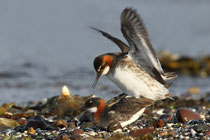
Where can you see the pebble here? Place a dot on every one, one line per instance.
(36, 122)
(184, 115)
(61, 123)
(71, 125)
(200, 128)
(208, 133)
(77, 132)
(164, 133)
(193, 132)
(9, 131)
(22, 121)
(31, 130)
(75, 137)
(172, 133)
(159, 123)
(62, 136)
(141, 132)
(92, 133)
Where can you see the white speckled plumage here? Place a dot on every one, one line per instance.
(136, 82)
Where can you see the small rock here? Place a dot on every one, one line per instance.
(65, 92)
(61, 123)
(184, 115)
(208, 133)
(171, 133)
(75, 137)
(160, 111)
(159, 123)
(200, 128)
(9, 131)
(193, 132)
(22, 121)
(77, 132)
(31, 130)
(37, 122)
(195, 122)
(166, 117)
(141, 132)
(62, 136)
(164, 133)
(8, 123)
(72, 125)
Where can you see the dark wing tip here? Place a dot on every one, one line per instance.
(131, 24)
(124, 48)
(127, 12)
(100, 31)
(130, 15)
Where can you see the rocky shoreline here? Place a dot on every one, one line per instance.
(56, 118)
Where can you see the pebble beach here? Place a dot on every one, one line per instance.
(56, 118)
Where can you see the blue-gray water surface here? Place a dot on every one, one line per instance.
(45, 44)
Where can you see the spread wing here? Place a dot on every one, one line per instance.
(124, 47)
(141, 50)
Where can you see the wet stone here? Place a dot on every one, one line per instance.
(22, 121)
(208, 133)
(164, 133)
(200, 128)
(195, 122)
(62, 136)
(75, 137)
(71, 125)
(166, 118)
(37, 122)
(77, 132)
(159, 123)
(31, 130)
(141, 132)
(61, 124)
(184, 115)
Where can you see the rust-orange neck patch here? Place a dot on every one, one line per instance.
(101, 108)
(108, 59)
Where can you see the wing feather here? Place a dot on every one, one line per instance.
(124, 47)
(141, 49)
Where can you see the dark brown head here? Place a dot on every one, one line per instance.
(92, 104)
(102, 65)
(96, 106)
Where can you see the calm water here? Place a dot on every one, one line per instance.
(46, 44)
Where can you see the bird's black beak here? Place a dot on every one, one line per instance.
(96, 80)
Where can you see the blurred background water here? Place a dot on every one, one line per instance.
(45, 44)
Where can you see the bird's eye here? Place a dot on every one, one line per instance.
(91, 102)
(99, 69)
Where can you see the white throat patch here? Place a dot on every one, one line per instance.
(92, 109)
(106, 70)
